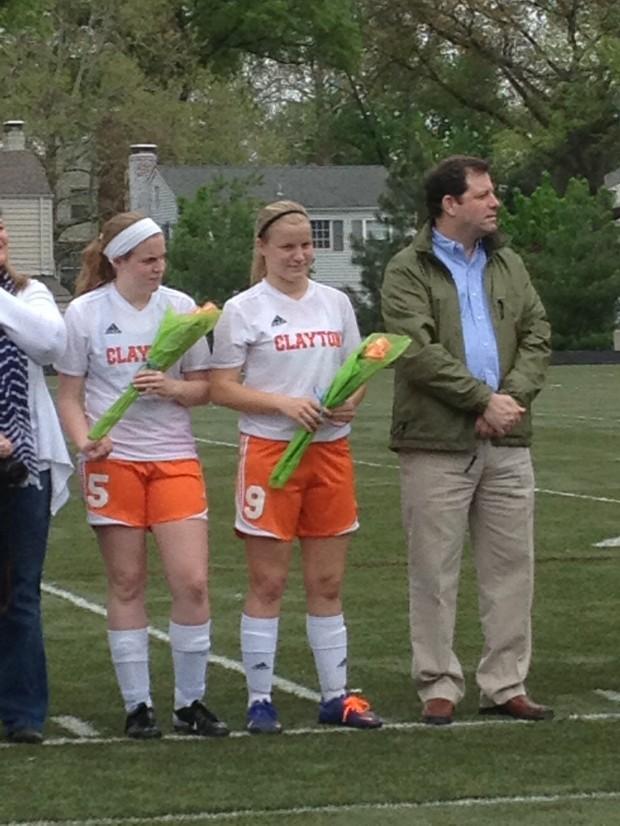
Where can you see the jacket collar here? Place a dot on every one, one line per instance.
(423, 241)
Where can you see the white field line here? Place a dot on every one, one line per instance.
(272, 814)
(614, 696)
(612, 542)
(74, 725)
(575, 417)
(432, 731)
(546, 491)
(232, 665)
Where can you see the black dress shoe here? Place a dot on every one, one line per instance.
(25, 735)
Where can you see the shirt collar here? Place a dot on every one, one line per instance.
(452, 247)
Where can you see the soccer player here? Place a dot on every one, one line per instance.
(276, 348)
(146, 475)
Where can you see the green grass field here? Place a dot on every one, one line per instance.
(474, 772)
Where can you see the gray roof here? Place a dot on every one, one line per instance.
(22, 173)
(316, 187)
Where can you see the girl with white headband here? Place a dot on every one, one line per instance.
(146, 475)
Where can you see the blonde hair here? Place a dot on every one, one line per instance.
(96, 270)
(267, 216)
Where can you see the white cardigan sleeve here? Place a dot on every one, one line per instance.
(33, 322)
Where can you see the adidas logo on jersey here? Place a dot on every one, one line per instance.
(112, 329)
(277, 321)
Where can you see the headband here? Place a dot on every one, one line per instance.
(277, 217)
(129, 238)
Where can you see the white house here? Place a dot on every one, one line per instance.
(342, 201)
(27, 205)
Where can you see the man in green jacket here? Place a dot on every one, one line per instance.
(462, 429)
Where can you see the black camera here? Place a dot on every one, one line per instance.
(12, 472)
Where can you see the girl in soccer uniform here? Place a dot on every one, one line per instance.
(145, 476)
(277, 347)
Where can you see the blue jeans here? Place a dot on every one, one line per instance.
(24, 525)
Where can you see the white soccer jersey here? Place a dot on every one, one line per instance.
(108, 340)
(288, 346)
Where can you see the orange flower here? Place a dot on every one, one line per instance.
(378, 349)
(206, 308)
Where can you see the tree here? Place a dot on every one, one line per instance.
(211, 250)
(286, 31)
(551, 70)
(570, 245)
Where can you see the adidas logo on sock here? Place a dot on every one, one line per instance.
(277, 321)
(112, 329)
(343, 663)
(260, 667)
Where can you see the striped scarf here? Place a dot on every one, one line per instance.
(14, 411)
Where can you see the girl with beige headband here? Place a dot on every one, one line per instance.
(146, 475)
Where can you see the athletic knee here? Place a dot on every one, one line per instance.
(325, 587)
(268, 590)
(128, 587)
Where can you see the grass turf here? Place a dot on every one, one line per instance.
(575, 660)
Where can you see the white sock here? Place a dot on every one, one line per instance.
(130, 656)
(190, 646)
(259, 639)
(328, 640)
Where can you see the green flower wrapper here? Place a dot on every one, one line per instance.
(376, 351)
(176, 334)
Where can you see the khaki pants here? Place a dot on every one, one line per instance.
(492, 493)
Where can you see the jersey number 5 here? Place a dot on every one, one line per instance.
(96, 494)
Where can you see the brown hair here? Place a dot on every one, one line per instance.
(19, 280)
(267, 216)
(96, 270)
(449, 178)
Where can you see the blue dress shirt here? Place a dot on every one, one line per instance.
(481, 354)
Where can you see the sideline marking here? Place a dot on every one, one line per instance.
(612, 542)
(335, 730)
(455, 803)
(75, 726)
(232, 665)
(546, 491)
(614, 696)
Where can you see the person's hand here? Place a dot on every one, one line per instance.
(502, 413)
(93, 451)
(306, 412)
(154, 383)
(6, 447)
(484, 430)
(343, 414)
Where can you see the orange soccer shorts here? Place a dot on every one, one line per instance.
(318, 500)
(141, 494)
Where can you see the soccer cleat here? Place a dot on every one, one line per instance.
(141, 724)
(349, 710)
(262, 718)
(198, 721)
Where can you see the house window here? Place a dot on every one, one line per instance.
(377, 230)
(80, 205)
(370, 228)
(328, 235)
(321, 235)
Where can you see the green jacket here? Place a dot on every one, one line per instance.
(436, 398)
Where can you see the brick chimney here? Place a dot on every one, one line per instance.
(14, 136)
(142, 162)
